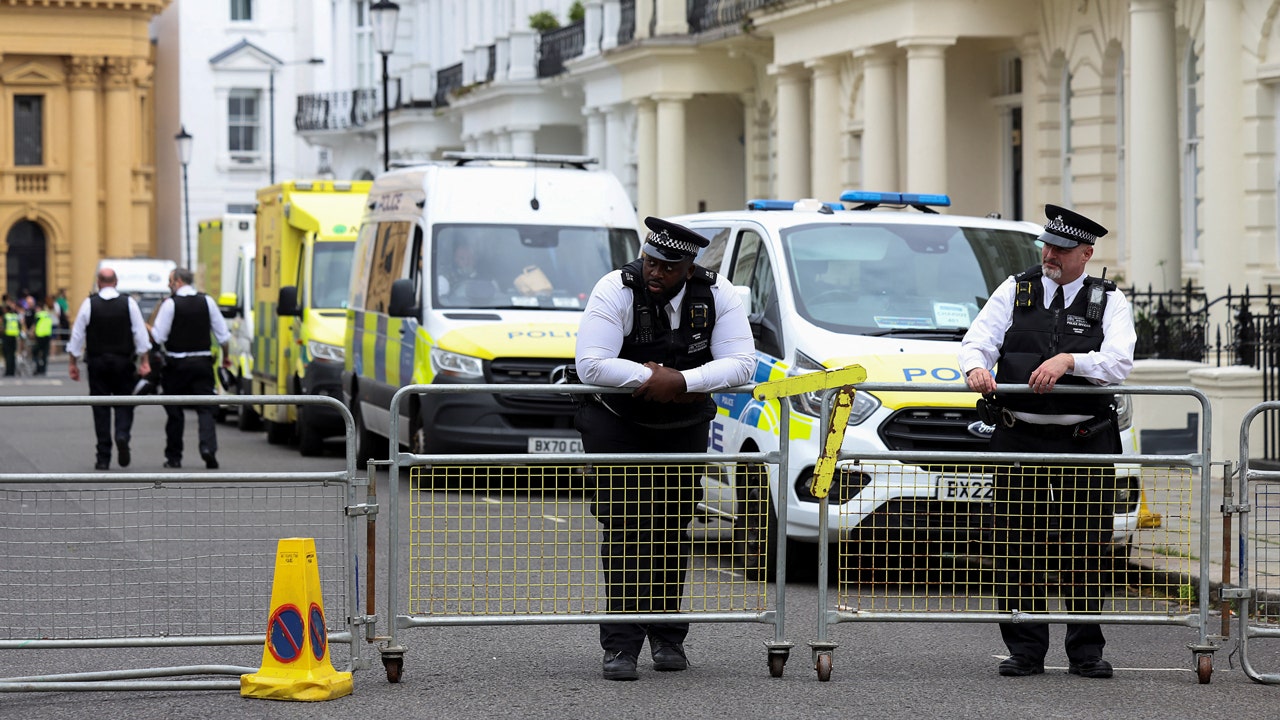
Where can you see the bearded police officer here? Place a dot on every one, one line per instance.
(674, 331)
(1053, 325)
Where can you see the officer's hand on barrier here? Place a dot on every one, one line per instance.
(664, 385)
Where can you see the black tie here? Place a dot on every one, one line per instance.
(1058, 300)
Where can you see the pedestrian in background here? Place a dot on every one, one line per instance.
(12, 331)
(674, 331)
(1048, 326)
(110, 334)
(187, 323)
(43, 333)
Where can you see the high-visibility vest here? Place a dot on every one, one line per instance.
(11, 324)
(44, 323)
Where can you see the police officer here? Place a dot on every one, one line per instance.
(185, 321)
(12, 330)
(1053, 325)
(109, 332)
(673, 331)
(43, 333)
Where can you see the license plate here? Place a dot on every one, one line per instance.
(555, 445)
(965, 488)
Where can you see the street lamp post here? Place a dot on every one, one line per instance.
(384, 15)
(183, 138)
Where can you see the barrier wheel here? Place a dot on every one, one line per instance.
(1204, 668)
(394, 666)
(823, 666)
(777, 661)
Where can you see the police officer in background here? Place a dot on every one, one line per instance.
(674, 331)
(1053, 325)
(185, 321)
(12, 331)
(109, 333)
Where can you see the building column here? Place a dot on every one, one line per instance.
(825, 142)
(615, 146)
(672, 185)
(672, 17)
(118, 156)
(1156, 247)
(756, 170)
(82, 79)
(926, 114)
(879, 122)
(646, 157)
(793, 133)
(596, 139)
(1223, 153)
(523, 141)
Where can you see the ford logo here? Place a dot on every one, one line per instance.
(977, 428)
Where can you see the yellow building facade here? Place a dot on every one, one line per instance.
(77, 146)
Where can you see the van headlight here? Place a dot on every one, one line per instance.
(454, 365)
(1124, 410)
(325, 351)
(864, 403)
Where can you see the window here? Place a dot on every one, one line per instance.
(1191, 160)
(244, 122)
(241, 9)
(364, 45)
(1064, 122)
(244, 208)
(28, 130)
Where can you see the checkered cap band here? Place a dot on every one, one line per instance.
(662, 239)
(1058, 227)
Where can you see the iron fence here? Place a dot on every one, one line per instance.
(707, 15)
(627, 22)
(447, 80)
(343, 109)
(559, 45)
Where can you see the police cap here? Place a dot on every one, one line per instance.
(671, 242)
(1067, 228)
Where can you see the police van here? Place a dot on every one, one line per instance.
(894, 292)
(477, 271)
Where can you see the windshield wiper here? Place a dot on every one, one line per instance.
(957, 333)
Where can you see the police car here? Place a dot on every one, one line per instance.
(832, 284)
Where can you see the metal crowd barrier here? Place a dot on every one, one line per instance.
(167, 559)
(936, 542)
(1258, 590)
(495, 540)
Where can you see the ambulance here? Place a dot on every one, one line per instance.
(477, 271)
(306, 232)
(891, 285)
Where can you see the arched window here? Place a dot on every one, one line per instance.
(25, 259)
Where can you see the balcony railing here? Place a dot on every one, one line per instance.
(707, 15)
(492, 72)
(557, 46)
(344, 109)
(447, 80)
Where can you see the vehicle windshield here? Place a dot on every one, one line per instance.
(524, 266)
(894, 279)
(331, 274)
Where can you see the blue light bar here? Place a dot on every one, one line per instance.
(760, 204)
(929, 200)
(864, 196)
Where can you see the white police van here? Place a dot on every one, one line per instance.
(893, 292)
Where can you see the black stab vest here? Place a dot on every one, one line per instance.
(191, 326)
(110, 329)
(651, 339)
(1038, 334)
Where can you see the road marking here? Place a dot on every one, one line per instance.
(730, 573)
(492, 501)
(555, 519)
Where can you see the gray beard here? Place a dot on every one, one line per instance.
(1051, 272)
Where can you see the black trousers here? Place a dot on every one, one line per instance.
(111, 375)
(40, 353)
(1029, 503)
(10, 355)
(644, 512)
(189, 376)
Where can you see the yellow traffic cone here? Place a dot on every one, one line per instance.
(1146, 518)
(295, 658)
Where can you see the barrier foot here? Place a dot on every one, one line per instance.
(779, 652)
(393, 662)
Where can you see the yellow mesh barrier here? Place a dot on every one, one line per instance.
(539, 540)
(1034, 539)
(1264, 553)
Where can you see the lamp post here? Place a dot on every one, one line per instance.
(183, 138)
(384, 15)
(271, 105)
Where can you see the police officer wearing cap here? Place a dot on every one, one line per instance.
(1049, 326)
(674, 331)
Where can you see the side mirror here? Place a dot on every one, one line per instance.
(287, 304)
(404, 301)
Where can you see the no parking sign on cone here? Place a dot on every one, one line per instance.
(295, 657)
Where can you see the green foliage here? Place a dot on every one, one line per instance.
(577, 12)
(543, 20)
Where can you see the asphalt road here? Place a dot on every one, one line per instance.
(916, 670)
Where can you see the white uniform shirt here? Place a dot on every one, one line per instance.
(607, 320)
(1108, 365)
(164, 322)
(137, 326)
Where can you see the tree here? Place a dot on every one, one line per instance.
(543, 20)
(577, 12)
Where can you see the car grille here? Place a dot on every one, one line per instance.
(938, 429)
(530, 371)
